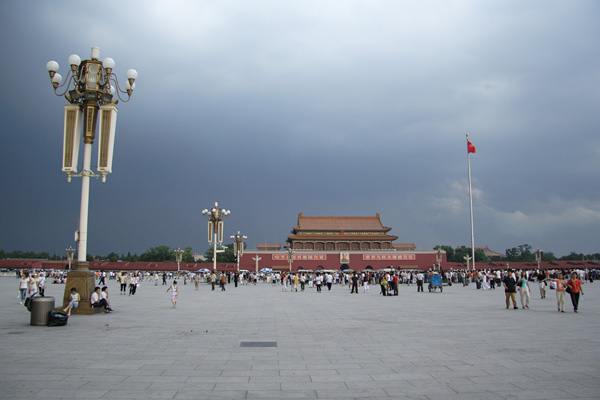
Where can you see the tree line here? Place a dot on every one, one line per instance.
(523, 253)
(154, 254)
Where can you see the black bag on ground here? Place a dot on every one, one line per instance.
(57, 318)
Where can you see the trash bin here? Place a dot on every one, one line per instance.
(40, 307)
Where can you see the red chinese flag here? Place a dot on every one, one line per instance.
(470, 147)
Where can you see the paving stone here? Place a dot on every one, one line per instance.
(459, 344)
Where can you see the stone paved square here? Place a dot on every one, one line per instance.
(459, 344)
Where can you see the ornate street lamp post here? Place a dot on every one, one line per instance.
(90, 88)
(178, 257)
(538, 257)
(70, 252)
(290, 256)
(467, 259)
(215, 229)
(238, 247)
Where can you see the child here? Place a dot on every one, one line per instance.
(74, 303)
(173, 289)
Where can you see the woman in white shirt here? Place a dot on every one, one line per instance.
(23, 286)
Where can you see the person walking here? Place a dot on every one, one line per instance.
(524, 290)
(420, 280)
(561, 284)
(318, 282)
(574, 285)
(32, 287)
(510, 289)
(133, 282)
(329, 281)
(123, 282)
(223, 281)
(174, 293)
(542, 284)
(23, 286)
(213, 280)
(41, 283)
(284, 279)
(354, 284)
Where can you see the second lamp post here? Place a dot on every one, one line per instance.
(215, 229)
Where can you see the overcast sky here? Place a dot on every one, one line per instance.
(322, 107)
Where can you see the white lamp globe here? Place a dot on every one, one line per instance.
(108, 63)
(52, 66)
(132, 74)
(57, 78)
(74, 59)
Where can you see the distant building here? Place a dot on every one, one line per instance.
(340, 233)
(199, 257)
(268, 246)
(339, 243)
(488, 252)
(404, 246)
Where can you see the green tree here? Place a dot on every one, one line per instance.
(449, 252)
(158, 254)
(548, 256)
(227, 256)
(520, 253)
(112, 257)
(572, 257)
(187, 256)
(480, 256)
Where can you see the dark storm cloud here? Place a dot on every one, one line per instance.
(326, 108)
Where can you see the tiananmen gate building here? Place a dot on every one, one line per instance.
(326, 242)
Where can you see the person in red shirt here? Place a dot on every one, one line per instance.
(575, 285)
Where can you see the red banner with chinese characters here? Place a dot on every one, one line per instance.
(300, 257)
(388, 257)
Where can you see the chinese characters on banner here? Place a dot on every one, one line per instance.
(300, 257)
(388, 257)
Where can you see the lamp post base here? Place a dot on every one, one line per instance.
(82, 279)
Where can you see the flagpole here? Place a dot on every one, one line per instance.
(471, 204)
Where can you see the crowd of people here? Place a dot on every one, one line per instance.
(387, 281)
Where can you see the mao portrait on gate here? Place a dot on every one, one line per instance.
(344, 258)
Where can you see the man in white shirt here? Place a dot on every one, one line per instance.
(420, 280)
(97, 301)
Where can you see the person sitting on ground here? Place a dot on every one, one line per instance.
(74, 302)
(104, 295)
(97, 301)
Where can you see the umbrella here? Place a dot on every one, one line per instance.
(204, 270)
(266, 270)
